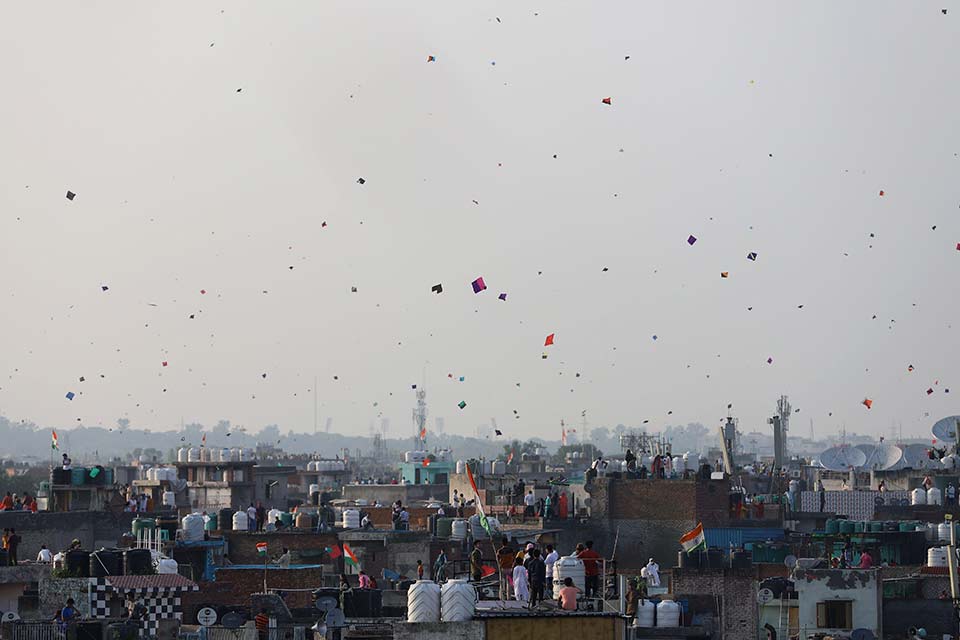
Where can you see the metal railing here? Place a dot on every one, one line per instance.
(21, 630)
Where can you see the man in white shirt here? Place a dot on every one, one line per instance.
(528, 502)
(653, 573)
(251, 518)
(44, 555)
(404, 519)
(550, 560)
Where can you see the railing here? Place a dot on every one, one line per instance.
(35, 631)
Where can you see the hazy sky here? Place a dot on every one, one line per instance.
(755, 126)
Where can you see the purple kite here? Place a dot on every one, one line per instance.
(479, 285)
(502, 296)
(691, 240)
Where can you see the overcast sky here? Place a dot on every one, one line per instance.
(208, 144)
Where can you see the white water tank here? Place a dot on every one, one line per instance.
(351, 519)
(182, 454)
(239, 521)
(169, 499)
(272, 515)
(646, 461)
(949, 462)
(679, 465)
(943, 532)
(668, 614)
(314, 488)
(645, 611)
(193, 454)
(423, 602)
(937, 557)
(167, 566)
(918, 496)
(458, 599)
(793, 486)
(461, 467)
(568, 567)
(235, 454)
(192, 525)
(224, 455)
(932, 534)
(499, 467)
(458, 529)
(934, 496)
(312, 465)
(415, 456)
(487, 468)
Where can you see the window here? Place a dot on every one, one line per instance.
(835, 614)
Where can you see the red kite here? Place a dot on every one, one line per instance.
(548, 341)
(867, 402)
(607, 101)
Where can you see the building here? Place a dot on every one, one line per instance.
(837, 601)
(271, 485)
(218, 485)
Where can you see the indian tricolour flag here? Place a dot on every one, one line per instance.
(693, 540)
(53, 441)
(348, 555)
(262, 548)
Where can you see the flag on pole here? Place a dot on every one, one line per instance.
(262, 548)
(53, 443)
(348, 555)
(423, 433)
(693, 540)
(510, 457)
(483, 516)
(203, 440)
(334, 552)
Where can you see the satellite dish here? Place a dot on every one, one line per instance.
(869, 450)
(842, 458)
(790, 562)
(915, 456)
(10, 616)
(881, 457)
(232, 620)
(335, 618)
(326, 603)
(207, 616)
(946, 429)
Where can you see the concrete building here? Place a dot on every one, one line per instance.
(218, 485)
(438, 472)
(271, 486)
(837, 601)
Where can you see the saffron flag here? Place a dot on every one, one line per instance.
(563, 435)
(693, 540)
(203, 440)
(510, 457)
(483, 516)
(262, 548)
(53, 443)
(348, 555)
(423, 433)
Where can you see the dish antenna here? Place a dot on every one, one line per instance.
(915, 456)
(881, 457)
(842, 458)
(946, 429)
(790, 561)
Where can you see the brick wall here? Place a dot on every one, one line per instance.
(736, 589)
(94, 529)
(233, 588)
(382, 517)
(668, 500)
(305, 547)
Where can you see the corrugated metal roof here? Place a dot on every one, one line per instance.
(161, 581)
(738, 536)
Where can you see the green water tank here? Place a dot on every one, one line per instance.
(211, 523)
(846, 526)
(143, 524)
(444, 527)
(286, 519)
(859, 526)
(876, 527)
(833, 526)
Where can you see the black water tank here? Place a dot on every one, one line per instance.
(96, 477)
(741, 560)
(715, 559)
(77, 563)
(168, 524)
(61, 476)
(137, 562)
(363, 603)
(225, 518)
(106, 562)
(122, 631)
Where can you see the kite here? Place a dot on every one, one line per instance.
(498, 432)
(910, 367)
(769, 361)
(867, 402)
(71, 195)
(607, 101)
(958, 246)
(352, 289)
(930, 391)
(431, 59)
(70, 395)
(503, 296)
(203, 291)
(654, 336)
(543, 356)
(360, 181)
(461, 378)
(605, 269)
(724, 274)
(478, 285)
(752, 256)
(82, 379)
(881, 192)
(164, 363)
(549, 340)
(691, 240)
(437, 288)
(461, 404)
(104, 287)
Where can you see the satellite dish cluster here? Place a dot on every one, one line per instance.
(890, 457)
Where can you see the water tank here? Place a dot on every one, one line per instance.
(193, 454)
(847, 526)
(646, 461)
(423, 601)
(169, 499)
(210, 522)
(932, 534)
(833, 526)
(949, 462)
(225, 517)
(167, 565)
(444, 527)
(461, 467)
(286, 519)
(137, 562)
(224, 455)
(192, 525)
(314, 488)
(240, 521)
(918, 496)
(680, 465)
(106, 562)
(458, 598)
(568, 567)
(272, 515)
(458, 529)
(645, 611)
(499, 467)
(487, 467)
(182, 454)
(235, 454)
(351, 519)
(937, 557)
(943, 532)
(142, 524)
(304, 521)
(668, 614)
(934, 496)
(78, 476)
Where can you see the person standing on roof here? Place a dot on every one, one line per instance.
(537, 572)
(549, 562)
(521, 589)
(528, 503)
(591, 571)
(476, 562)
(251, 518)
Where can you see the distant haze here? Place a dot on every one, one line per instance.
(755, 127)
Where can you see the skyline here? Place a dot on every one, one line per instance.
(271, 197)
